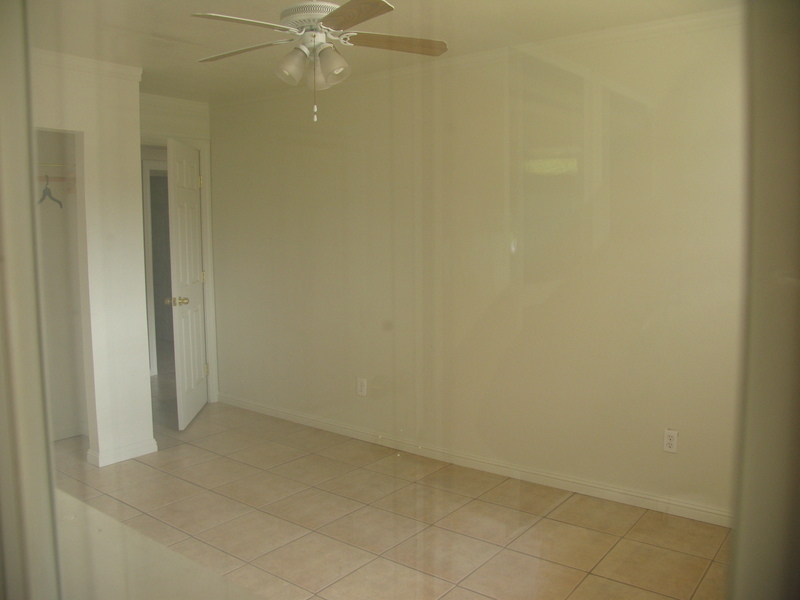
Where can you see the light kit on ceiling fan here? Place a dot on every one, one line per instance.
(333, 66)
(291, 67)
(316, 25)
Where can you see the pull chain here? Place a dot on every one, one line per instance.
(315, 90)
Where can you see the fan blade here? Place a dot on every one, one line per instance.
(354, 12)
(273, 26)
(243, 50)
(398, 43)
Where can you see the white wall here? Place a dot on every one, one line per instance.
(548, 326)
(163, 117)
(100, 103)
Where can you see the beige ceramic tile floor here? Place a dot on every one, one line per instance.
(292, 512)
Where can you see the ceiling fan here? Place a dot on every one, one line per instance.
(315, 25)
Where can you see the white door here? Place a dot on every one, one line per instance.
(188, 277)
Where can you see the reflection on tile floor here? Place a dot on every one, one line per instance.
(292, 512)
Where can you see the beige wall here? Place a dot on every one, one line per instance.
(534, 257)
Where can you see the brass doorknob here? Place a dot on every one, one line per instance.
(179, 301)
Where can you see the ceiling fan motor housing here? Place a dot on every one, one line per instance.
(306, 14)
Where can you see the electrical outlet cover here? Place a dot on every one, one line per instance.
(670, 440)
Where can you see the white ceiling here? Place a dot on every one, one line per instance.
(162, 38)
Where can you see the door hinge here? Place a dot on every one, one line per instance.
(202, 276)
(200, 181)
(208, 370)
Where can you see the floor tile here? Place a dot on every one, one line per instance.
(312, 508)
(364, 485)
(267, 455)
(313, 440)
(489, 522)
(263, 488)
(157, 492)
(197, 429)
(356, 452)
(216, 472)
(514, 576)
(200, 512)
(385, 580)
(422, 502)
(227, 442)
(715, 583)
(212, 558)
(679, 533)
(215, 408)
(266, 586)
(404, 465)
(312, 469)
(724, 552)
(74, 464)
(314, 561)
(177, 457)
(656, 569)
(462, 480)
(459, 593)
(75, 488)
(603, 515)
(113, 508)
(523, 495)
(271, 428)
(442, 553)
(113, 477)
(373, 529)
(598, 588)
(565, 544)
(252, 535)
(425, 521)
(156, 530)
(230, 419)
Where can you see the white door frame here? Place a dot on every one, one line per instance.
(153, 157)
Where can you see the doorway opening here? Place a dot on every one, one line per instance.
(59, 202)
(175, 280)
(162, 341)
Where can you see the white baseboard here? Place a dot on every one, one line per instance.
(115, 455)
(672, 506)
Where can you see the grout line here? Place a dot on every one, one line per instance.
(631, 585)
(702, 578)
(653, 545)
(584, 578)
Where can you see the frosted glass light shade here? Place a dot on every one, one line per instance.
(333, 65)
(292, 66)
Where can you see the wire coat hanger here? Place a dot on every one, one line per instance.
(47, 194)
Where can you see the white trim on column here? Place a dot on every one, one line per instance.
(120, 453)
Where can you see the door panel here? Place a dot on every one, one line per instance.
(185, 227)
